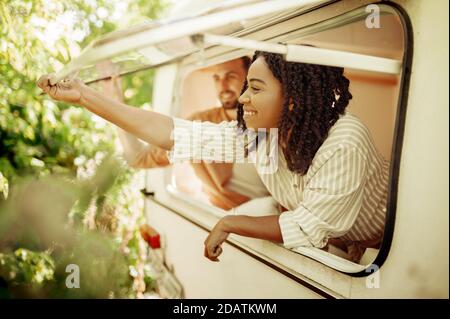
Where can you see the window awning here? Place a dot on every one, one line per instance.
(164, 41)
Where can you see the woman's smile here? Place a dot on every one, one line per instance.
(249, 113)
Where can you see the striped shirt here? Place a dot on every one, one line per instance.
(343, 194)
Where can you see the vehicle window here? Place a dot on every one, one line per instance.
(378, 100)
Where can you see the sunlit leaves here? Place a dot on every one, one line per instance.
(25, 266)
(39, 138)
(4, 186)
(51, 238)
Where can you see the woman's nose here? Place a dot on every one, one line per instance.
(243, 99)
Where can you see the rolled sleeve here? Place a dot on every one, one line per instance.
(292, 234)
(332, 200)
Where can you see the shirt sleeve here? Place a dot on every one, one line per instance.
(332, 199)
(205, 141)
(152, 156)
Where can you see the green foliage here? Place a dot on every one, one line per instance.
(25, 266)
(4, 186)
(41, 138)
(43, 217)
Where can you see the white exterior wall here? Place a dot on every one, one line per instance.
(417, 265)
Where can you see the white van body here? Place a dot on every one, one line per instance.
(415, 265)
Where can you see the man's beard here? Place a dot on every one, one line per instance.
(229, 105)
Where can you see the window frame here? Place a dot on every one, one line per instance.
(396, 152)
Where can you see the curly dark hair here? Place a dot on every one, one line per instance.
(314, 98)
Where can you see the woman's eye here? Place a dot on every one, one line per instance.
(254, 89)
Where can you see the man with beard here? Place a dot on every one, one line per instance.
(226, 185)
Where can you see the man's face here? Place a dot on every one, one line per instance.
(229, 79)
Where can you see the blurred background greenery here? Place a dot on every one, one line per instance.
(65, 195)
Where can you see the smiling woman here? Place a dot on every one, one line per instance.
(262, 98)
(328, 164)
(338, 187)
(329, 153)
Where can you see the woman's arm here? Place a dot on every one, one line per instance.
(149, 126)
(264, 227)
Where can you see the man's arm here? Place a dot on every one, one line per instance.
(132, 146)
(137, 153)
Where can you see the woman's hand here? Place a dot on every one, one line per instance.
(213, 243)
(70, 91)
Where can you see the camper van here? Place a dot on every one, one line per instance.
(395, 54)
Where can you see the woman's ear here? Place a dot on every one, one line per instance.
(291, 104)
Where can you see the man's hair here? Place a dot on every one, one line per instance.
(246, 62)
(314, 96)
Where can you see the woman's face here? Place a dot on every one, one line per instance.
(263, 99)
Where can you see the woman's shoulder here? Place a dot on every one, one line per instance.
(348, 132)
(349, 126)
(349, 122)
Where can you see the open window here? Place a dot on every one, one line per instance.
(377, 98)
(373, 43)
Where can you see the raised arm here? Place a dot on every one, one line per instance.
(151, 127)
(137, 153)
(131, 145)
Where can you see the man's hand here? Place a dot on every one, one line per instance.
(113, 86)
(213, 243)
(70, 91)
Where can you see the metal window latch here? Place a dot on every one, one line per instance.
(147, 193)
